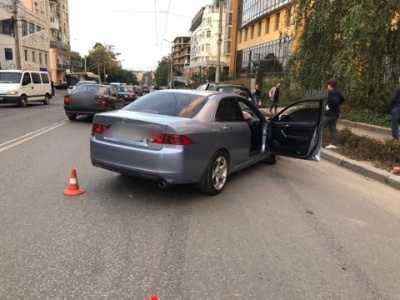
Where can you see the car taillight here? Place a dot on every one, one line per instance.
(99, 129)
(66, 99)
(131, 96)
(101, 101)
(172, 139)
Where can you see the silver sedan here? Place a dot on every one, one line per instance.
(200, 137)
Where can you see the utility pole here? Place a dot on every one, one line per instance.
(16, 35)
(170, 69)
(219, 42)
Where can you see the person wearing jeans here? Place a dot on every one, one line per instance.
(395, 109)
(332, 112)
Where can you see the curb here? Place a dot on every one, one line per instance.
(362, 169)
(364, 126)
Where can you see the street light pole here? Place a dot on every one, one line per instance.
(16, 35)
(219, 42)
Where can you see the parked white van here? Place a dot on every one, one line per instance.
(21, 87)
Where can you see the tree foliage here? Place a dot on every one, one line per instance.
(162, 72)
(355, 41)
(102, 61)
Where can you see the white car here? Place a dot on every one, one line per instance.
(81, 82)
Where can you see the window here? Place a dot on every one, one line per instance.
(26, 55)
(251, 31)
(6, 27)
(209, 21)
(40, 58)
(36, 77)
(38, 28)
(8, 53)
(267, 22)
(45, 77)
(208, 34)
(259, 29)
(33, 56)
(24, 27)
(26, 79)
(207, 47)
(228, 110)
(31, 28)
(45, 59)
(277, 21)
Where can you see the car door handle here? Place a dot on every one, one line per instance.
(227, 128)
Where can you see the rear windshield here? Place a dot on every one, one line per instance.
(94, 89)
(10, 77)
(184, 105)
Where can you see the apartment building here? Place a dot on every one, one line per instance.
(204, 34)
(34, 35)
(263, 37)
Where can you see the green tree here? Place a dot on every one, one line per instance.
(162, 71)
(354, 41)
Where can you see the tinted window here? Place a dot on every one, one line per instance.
(26, 79)
(183, 105)
(36, 77)
(228, 110)
(45, 77)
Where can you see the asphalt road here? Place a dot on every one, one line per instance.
(296, 230)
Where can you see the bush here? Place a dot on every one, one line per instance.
(381, 154)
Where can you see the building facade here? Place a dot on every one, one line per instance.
(34, 35)
(204, 34)
(263, 38)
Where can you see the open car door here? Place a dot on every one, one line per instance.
(296, 131)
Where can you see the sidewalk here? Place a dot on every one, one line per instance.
(362, 168)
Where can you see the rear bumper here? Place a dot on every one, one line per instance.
(82, 110)
(170, 164)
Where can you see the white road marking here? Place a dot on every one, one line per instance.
(29, 136)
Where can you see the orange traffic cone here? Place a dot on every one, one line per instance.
(73, 187)
(154, 297)
(396, 170)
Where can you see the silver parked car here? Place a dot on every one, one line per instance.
(200, 137)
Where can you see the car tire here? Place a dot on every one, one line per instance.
(46, 100)
(270, 159)
(216, 174)
(23, 101)
(72, 117)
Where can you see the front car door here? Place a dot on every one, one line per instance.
(296, 131)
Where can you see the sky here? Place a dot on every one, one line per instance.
(141, 30)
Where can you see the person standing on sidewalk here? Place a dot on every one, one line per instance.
(274, 94)
(395, 109)
(257, 95)
(332, 112)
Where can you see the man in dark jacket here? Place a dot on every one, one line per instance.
(332, 112)
(395, 108)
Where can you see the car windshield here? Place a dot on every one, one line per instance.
(10, 77)
(184, 105)
(94, 89)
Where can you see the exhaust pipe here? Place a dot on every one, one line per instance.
(162, 184)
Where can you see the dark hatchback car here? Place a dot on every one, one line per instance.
(228, 88)
(91, 99)
(127, 94)
(145, 89)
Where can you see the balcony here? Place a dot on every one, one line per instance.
(54, 23)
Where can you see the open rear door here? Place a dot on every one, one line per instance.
(296, 131)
